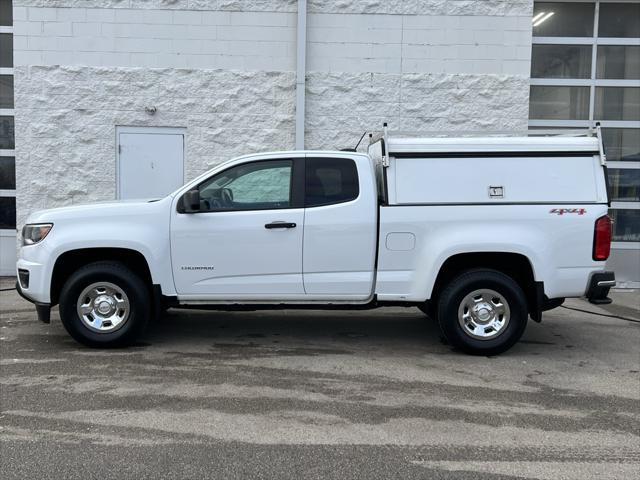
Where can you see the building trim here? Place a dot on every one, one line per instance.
(301, 72)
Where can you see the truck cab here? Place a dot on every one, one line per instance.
(480, 234)
(285, 227)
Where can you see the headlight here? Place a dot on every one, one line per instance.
(35, 232)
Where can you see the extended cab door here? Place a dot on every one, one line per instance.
(245, 243)
(340, 227)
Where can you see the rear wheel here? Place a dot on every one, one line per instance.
(482, 312)
(104, 304)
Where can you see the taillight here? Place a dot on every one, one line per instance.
(602, 238)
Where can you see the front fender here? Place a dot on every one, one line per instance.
(144, 229)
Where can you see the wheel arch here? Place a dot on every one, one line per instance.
(69, 261)
(516, 265)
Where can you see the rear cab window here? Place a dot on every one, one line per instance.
(329, 181)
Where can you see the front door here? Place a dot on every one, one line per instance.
(150, 162)
(245, 243)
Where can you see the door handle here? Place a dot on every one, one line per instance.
(273, 225)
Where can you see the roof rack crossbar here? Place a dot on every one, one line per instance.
(586, 132)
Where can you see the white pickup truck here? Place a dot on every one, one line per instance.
(479, 233)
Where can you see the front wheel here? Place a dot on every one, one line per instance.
(482, 312)
(104, 304)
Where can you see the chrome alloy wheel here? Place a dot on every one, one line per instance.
(484, 314)
(103, 307)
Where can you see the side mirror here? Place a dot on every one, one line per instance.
(191, 201)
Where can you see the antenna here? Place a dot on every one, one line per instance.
(358, 144)
(356, 147)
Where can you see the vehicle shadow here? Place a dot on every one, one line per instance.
(407, 328)
(390, 330)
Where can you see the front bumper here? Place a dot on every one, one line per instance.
(599, 286)
(34, 263)
(42, 309)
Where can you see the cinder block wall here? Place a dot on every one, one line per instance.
(225, 70)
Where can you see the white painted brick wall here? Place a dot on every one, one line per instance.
(171, 38)
(370, 43)
(340, 106)
(395, 7)
(340, 38)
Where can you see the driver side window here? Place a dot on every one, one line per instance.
(263, 185)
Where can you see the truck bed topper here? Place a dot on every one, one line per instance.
(555, 169)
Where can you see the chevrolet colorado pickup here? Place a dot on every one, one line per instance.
(479, 233)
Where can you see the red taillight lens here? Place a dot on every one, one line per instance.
(602, 238)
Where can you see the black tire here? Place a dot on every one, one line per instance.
(428, 309)
(160, 310)
(117, 274)
(465, 284)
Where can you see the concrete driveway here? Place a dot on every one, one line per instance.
(320, 395)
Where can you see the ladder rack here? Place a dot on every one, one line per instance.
(586, 132)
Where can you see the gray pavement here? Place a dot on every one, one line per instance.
(290, 394)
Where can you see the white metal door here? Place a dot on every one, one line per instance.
(150, 162)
